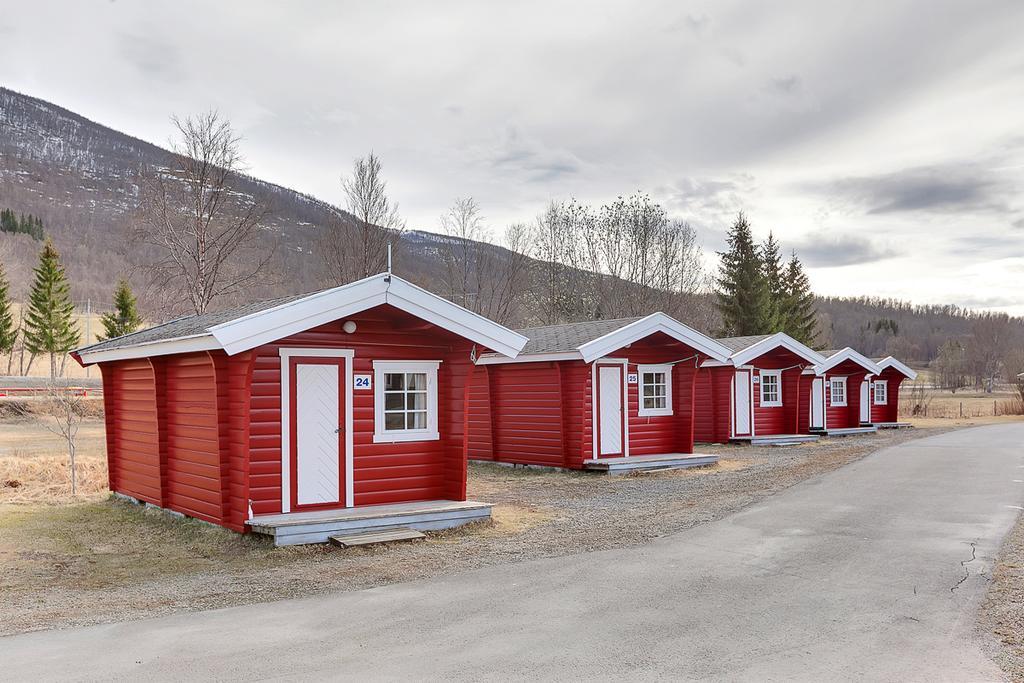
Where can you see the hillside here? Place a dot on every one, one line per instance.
(82, 179)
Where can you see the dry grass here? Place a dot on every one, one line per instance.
(961, 405)
(47, 479)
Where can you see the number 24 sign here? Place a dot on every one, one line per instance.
(362, 381)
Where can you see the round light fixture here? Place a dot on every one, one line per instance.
(349, 326)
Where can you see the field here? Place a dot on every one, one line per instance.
(964, 404)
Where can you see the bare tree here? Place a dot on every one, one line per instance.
(464, 227)
(68, 411)
(201, 231)
(992, 334)
(356, 247)
(503, 276)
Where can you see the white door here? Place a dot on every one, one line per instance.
(818, 403)
(865, 401)
(741, 405)
(317, 426)
(609, 379)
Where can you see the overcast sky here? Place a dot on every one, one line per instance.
(883, 141)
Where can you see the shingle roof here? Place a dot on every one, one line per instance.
(735, 344)
(187, 326)
(568, 337)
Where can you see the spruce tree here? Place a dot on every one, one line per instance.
(798, 313)
(744, 299)
(774, 271)
(49, 326)
(8, 330)
(125, 317)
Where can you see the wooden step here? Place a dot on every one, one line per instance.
(371, 537)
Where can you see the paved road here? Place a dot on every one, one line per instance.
(872, 572)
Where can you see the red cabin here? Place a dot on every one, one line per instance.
(841, 393)
(607, 394)
(761, 394)
(301, 417)
(885, 392)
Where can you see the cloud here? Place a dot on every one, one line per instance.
(703, 196)
(698, 25)
(942, 189)
(521, 154)
(823, 249)
(152, 57)
(789, 85)
(1019, 224)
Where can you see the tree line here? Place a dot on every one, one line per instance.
(21, 224)
(46, 325)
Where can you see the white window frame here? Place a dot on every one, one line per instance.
(833, 381)
(884, 384)
(777, 374)
(654, 412)
(383, 367)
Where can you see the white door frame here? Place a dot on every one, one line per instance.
(595, 401)
(865, 400)
(818, 399)
(286, 355)
(750, 398)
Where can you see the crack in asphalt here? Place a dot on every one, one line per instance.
(964, 563)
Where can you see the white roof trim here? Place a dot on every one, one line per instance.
(163, 347)
(777, 340)
(655, 322)
(323, 307)
(890, 362)
(845, 355)
(278, 322)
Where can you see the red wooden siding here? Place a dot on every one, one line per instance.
(542, 413)
(784, 419)
(382, 472)
(133, 432)
(840, 417)
(713, 405)
(193, 437)
(891, 411)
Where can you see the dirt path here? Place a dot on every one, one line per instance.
(101, 561)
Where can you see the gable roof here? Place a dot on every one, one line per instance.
(890, 362)
(834, 358)
(252, 325)
(746, 349)
(591, 340)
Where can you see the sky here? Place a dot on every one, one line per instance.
(882, 141)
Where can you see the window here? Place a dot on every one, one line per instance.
(838, 388)
(655, 390)
(881, 392)
(771, 388)
(405, 401)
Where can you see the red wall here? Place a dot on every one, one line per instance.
(384, 472)
(133, 434)
(542, 413)
(713, 408)
(840, 417)
(891, 411)
(784, 419)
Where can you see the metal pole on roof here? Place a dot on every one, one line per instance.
(389, 258)
(88, 329)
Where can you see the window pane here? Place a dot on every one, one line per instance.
(659, 390)
(416, 400)
(394, 401)
(648, 390)
(659, 402)
(394, 381)
(417, 420)
(416, 381)
(648, 378)
(394, 421)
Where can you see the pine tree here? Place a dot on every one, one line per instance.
(8, 330)
(771, 263)
(744, 299)
(798, 314)
(125, 317)
(49, 326)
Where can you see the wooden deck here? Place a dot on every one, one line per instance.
(851, 431)
(649, 463)
(777, 439)
(297, 528)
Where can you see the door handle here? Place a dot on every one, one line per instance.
(338, 430)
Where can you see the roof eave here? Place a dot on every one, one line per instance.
(655, 322)
(162, 347)
(777, 340)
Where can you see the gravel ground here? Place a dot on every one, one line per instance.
(537, 514)
(1003, 612)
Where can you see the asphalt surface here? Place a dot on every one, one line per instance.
(874, 571)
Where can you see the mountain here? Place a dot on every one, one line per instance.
(82, 179)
